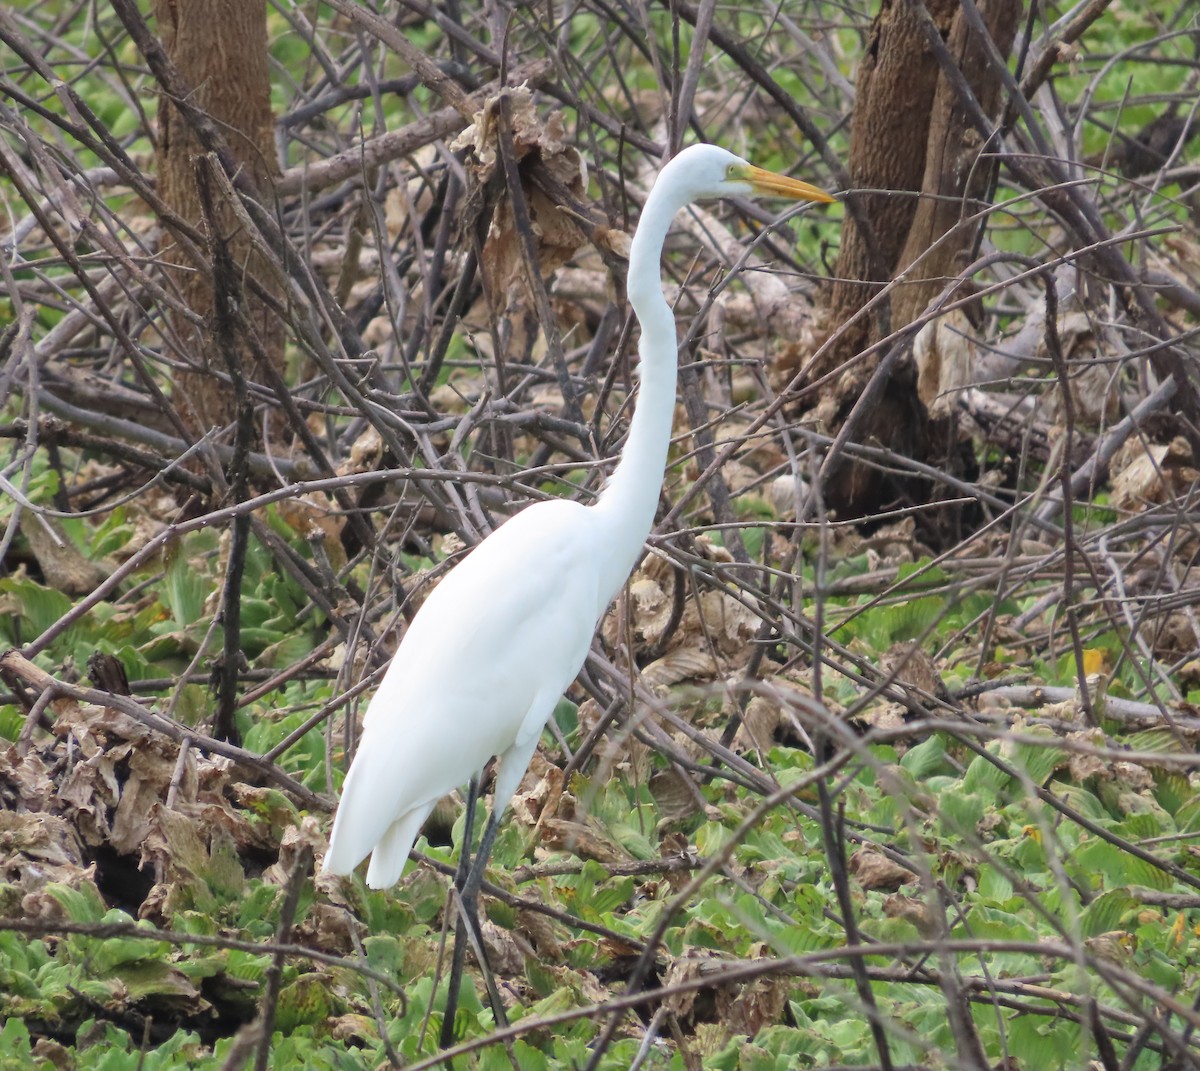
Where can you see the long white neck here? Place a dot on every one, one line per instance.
(626, 506)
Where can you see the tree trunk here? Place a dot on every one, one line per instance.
(897, 80)
(220, 49)
(956, 180)
(909, 136)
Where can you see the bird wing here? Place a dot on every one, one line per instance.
(511, 622)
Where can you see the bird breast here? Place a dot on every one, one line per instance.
(514, 620)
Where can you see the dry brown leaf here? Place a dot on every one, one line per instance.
(506, 949)
(1177, 637)
(417, 194)
(379, 332)
(352, 1027)
(588, 289)
(174, 845)
(914, 910)
(366, 452)
(681, 664)
(614, 240)
(760, 722)
(452, 398)
(711, 630)
(742, 481)
(1093, 383)
(1082, 765)
(759, 451)
(787, 702)
(38, 848)
(42, 906)
(558, 236)
(1133, 776)
(740, 1009)
(45, 1051)
(540, 932)
(673, 795)
(329, 928)
(540, 792)
(528, 131)
(316, 516)
(89, 792)
(295, 838)
(757, 1004)
(892, 544)
(1151, 474)
(25, 782)
(1115, 946)
(116, 775)
(651, 607)
(193, 844)
(155, 907)
(586, 839)
(875, 870)
(693, 966)
(709, 1039)
(883, 716)
(589, 714)
(146, 785)
(910, 666)
(1068, 711)
(94, 728)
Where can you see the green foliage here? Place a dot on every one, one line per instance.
(982, 830)
(104, 1047)
(1010, 871)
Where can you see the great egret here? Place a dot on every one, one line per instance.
(499, 640)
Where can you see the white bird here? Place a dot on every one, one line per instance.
(499, 640)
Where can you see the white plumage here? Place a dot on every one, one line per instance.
(495, 645)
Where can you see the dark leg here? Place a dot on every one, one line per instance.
(470, 889)
(464, 857)
(467, 886)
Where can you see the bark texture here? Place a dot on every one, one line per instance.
(957, 175)
(913, 145)
(897, 80)
(220, 49)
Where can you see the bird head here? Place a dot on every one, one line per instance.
(709, 171)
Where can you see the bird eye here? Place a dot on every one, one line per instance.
(731, 172)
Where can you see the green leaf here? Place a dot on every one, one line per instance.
(994, 885)
(286, 651)
(40, 607)
(1187, 818)
(1112, 910)
(185, 590)
(82, 904)
(247, 966)
(1155, 741)
(111, 535)
(961, 812)
(155, 978)
(984, 776)
(1038, 761)
(1083, 800)
(1047, 1044)
(927, 758)
(1172, 790)
(113, 952)
(12, 721)
(303, 1003)
(1105, 866)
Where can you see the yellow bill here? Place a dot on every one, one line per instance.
(770, 184)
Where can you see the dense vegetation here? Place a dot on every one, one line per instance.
(833, 791)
